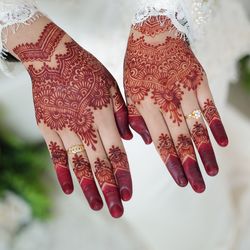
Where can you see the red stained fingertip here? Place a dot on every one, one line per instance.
(219, 132)
(116, 211)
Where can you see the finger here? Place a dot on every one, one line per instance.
(211, 114)
(137, 123)
(185, 149)
(82, 169)
(121, 113)
(199, 134)
(59, 158)
(117, 156)
(105, 177)
(163, 143)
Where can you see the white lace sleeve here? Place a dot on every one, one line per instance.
(187, 15)
(14, 13)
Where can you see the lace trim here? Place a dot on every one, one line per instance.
(187, 16)
(14, 15)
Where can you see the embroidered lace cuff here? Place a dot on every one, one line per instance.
(188, 16)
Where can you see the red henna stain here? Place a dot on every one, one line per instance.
(45, 46)
(169, 156)
(60, 160)
(187, 156)
(161, 71)
(138, 124)
(202, 142)
(119, 161)
(213, 118)
(83, 172)
(66, 96)
(106, 180)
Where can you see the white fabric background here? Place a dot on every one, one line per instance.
(161, 215)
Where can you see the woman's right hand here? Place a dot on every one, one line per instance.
(167, 92)
(79, 110)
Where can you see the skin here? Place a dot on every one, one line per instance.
(164, 82)
(77, 101)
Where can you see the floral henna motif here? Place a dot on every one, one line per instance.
(202, 142)
(187, 156)
(168, 154)
(104, 173)
(60, 160)
(45, 46)
(106, 180)
(210, 111)
(166, 147)
(82, 170)
(200, 135)
(212, 116)
(67, 94)
(161, 71)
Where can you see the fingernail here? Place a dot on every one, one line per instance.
(67, 188)
(127, 135)
(199, 187)
(116, 211)
(212, 171)
(219, 133)
(125, 194)
(96, 204)
(146, 138)
(182, 181)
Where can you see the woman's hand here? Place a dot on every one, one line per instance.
(167, 90)
(79, 110)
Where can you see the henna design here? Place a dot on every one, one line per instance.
(106, 179)
(200, 134)
(45, 46)
(166, 147)
(60, 160)
(213, 118)
(155, 25)
(120, 165)
(82, 170)
(67, 95)
(187, 156)
(185, 148)
(201, 139)
(161, 71)
(210, 111)
(104, 173)
(170, 158)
